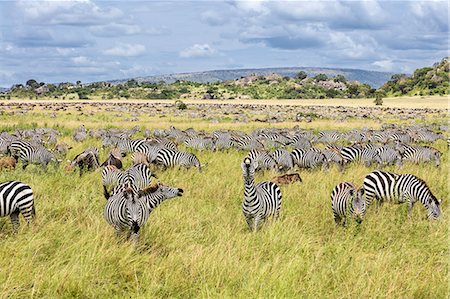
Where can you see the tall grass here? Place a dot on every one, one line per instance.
(199, 246)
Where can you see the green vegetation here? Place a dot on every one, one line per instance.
(425, 81)
(198, 245)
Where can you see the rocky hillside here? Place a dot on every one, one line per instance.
(424, 81)
(373, 78)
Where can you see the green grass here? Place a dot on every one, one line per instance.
(198, 245)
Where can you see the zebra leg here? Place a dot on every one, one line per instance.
(410, 207)
(250, 223)
(15, 220)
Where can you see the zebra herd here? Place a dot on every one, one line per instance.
(132, 194)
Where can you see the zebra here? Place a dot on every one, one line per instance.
(199, 143)
(16, 198)
(310, 158)
(400, 188)
(126, 211)
(260, 201)
(388, 156)
(171, 158)
(162, 192)
(264, 160)
(346, 202)
(29, 153)
(283, 159)
(351, 153)
(334, 155)
(128, 146)
(417, 154)
(138, 177)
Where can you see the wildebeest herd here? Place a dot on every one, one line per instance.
(132, 193)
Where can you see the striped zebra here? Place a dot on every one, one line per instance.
(128, 145)
(418, 154)
(283, 158)
(310, 158)
(334, 156)
(386, 155)
(199, 143)
(16, 198)
(264, 160)
(400, 188)
(31, 154)
(126, 211)
(347, 202)
(162, 192)
(261, 200)
(138, 177)
(171, 158)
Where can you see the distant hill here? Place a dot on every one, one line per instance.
(373, 78)
(424, 81)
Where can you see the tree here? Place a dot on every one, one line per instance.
(321, 77)
(378, 99)
(32, 83)
(340, 78)
(301, 75)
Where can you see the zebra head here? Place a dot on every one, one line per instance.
(434, 209)
(170, 192)
(133, 208)
(358, 203)
(249, 167)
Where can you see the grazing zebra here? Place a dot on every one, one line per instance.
(128, 146)
(334, 156)
(155, 198)
(263, 159)
(388, 156)
(418, 154)
(125, 211)
(261, 200)
(16, 198)
(171, 158)
(283, 159)
(400, 188)
(310, 158)
(346, 202)
(29, 153)
(199, 143)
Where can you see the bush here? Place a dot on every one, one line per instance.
(180, 105)
(378, 99)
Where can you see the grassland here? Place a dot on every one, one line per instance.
(436, 102)
(198, 245)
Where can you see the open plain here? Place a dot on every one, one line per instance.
(198, 245)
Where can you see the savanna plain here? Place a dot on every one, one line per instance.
(198, 245)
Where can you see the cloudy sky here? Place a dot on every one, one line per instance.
(55, 41)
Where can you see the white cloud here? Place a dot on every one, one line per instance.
(126, 50)
(384, 65)
(76, 13)
(198, 50)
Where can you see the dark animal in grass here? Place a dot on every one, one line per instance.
(288, 178)
(8, 163)
(86, 160)
(113, 159)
